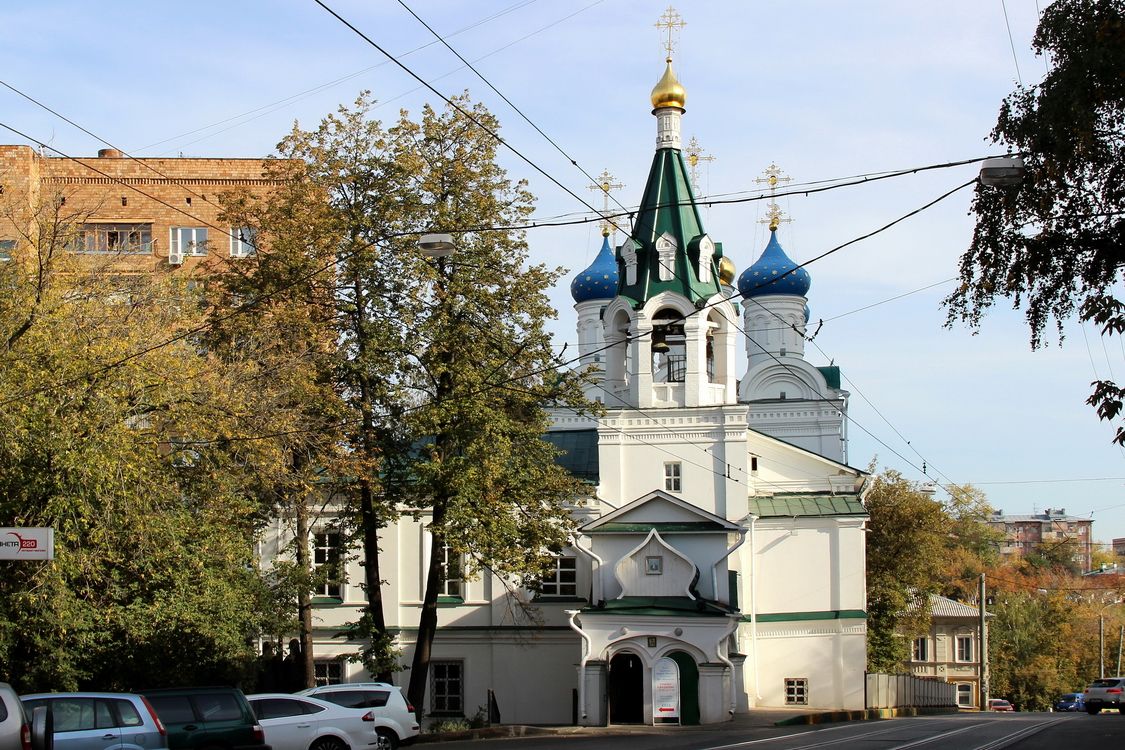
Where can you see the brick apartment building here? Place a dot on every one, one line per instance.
(1025, 533)
(149, 215)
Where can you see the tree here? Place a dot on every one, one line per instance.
(906, 543)
(154, 579)
(1053, 245)
(444, 366)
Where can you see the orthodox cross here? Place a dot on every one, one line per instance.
(695, 155)
(670, 21)
(774, 215)
(606, 184)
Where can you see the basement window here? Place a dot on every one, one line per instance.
(796, 691)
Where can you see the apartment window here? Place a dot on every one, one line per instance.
(796, 691)
(921, 649)
(7, 247)
(964, 694)
(964, 648)
(326, 554)
(113, 238)
(447, 686)
(564, 579)
(243, 242)
(186, 241)
(328, 672)
(673, 476)
(452, 573)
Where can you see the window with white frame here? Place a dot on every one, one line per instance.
(327, 546)
(921, 649)
(964, 648)
(964, 694)
(243, 242)
(452, 573)
(796, 691)
(185, 241)
(447, 680)
(113, 238)
(673, 476)
(328, 672)
(564, 579)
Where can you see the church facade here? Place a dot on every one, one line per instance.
(718, 563)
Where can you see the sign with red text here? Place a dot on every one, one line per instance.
(665, 690)
(27, 544)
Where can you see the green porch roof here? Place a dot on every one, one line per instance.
(683, 527)
(659, 606)
(789, 505)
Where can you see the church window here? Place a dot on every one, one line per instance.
(673, 476)
(447, 681)
(921, 649)
(796, 691)
(452, 572)
(326, 560)
(564, 579)
(328, 672)
(753, 463)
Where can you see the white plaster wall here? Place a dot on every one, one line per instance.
(831, 654)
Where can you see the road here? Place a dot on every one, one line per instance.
(1022, 731)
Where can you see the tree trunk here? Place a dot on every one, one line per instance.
(304, 595)
(427, 620)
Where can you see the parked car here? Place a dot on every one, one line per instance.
(100, 721)
(21, 729)
(1071, 702)
(1104, 693)
(999, 704)
(216, 718)
(384, 700)
(301, 722)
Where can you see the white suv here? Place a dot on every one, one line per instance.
(382, 699)
(1105, 693)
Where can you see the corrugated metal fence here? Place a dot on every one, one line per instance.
(906, 690)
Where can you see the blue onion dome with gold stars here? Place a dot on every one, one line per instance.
(773, 274)
(599, 281)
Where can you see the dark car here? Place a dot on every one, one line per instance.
(217, 718)
(1071, 702)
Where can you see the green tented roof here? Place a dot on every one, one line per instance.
(789, 505)
(831, 375)
(659, 606)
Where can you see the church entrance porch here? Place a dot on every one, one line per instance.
(626, 689)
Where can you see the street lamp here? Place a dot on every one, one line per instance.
(437, 245)
(1002, 171)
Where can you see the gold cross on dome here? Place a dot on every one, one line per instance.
(606, 184)
(772, 177)
(670, 21)
(695, 155)
(775, 217)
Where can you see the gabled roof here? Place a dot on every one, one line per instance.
(676, 515)
(941, 606)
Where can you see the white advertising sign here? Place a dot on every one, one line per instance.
(27, 544)
(665, 690)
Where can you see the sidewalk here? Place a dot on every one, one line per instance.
(755, 718)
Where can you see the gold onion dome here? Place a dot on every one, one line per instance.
(668, 92)
(726, 270)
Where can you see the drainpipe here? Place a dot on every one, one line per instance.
(589, 645)
(715, 567)
(597, 592)
(754, 608)
(729, 663)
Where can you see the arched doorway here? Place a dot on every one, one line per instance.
(626, 689)
(689, 687)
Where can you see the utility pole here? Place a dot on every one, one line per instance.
(983, 670)
(1120, 643)
(1101, 645)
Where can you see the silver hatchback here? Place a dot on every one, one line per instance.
(101, 721)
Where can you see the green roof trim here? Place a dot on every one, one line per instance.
(831, 614)
(831, 375)
(659, 606)
(786, 505)
(683, 527)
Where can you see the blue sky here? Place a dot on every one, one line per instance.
(824, 89)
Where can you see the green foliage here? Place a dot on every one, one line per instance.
(1053, 244)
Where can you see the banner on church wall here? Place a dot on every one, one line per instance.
(665, 690)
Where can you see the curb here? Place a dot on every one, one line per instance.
(869, 714)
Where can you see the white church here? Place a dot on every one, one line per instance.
(718, 564)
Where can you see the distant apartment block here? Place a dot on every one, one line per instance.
(147, 215)
(1026, 533)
